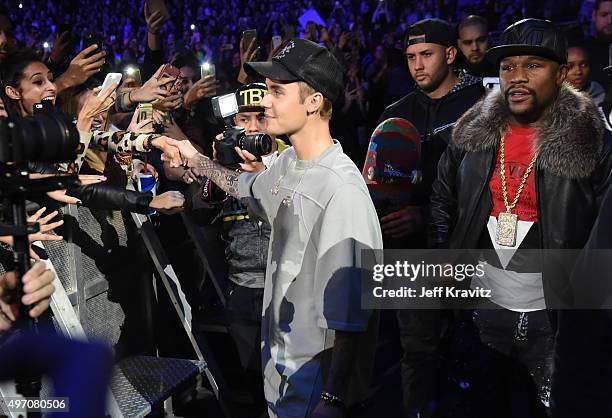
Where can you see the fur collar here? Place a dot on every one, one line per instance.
(570, 132)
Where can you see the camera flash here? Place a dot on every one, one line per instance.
(46, 45)
(206, 66)
(192, 26)
(130, 70)
(20, 6)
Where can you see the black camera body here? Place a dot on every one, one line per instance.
(258, 145)
(46, 137)
(224, 108)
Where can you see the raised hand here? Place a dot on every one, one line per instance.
(81, 68)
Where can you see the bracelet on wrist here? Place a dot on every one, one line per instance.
(332, 400)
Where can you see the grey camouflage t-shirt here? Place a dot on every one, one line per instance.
(313, 277)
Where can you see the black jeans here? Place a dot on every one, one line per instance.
(521, 359)
(423, 361)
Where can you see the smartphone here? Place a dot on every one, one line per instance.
(172, 72)
(111, 78)
(207, 69)
(133, 73)
(146, 112)
(158, 6)
(93, 39)
(248, 36)
(43, 107)
(276, 41)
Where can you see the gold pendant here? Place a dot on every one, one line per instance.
(506, 229)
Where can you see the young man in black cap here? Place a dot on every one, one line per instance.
(317, 347)
(247, 242)
(442, 95)
(525, 170)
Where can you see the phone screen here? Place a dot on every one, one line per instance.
(92, 39)
(248, 36)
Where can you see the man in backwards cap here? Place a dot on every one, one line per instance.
(525, 170)
(317, 346)
(442, 95)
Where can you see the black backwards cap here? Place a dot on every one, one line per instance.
(432, 31)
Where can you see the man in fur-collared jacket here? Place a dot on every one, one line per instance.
(525, 170)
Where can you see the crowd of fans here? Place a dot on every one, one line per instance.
(369, 32)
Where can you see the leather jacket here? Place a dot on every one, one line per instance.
(572, 174)
(101, 195)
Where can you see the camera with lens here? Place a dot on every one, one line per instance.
(46, 136)
(225, 107)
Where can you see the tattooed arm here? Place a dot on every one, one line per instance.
(202, 166)
(223, 177)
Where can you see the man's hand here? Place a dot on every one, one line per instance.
(204, 87)
(322, 410)
(152, 89)
(81, 68)
(187, 150)
(61, 48)
(37, 290)
(170, 151)
(250, 164)
(139, 127)
(403, 222)
(169, 202)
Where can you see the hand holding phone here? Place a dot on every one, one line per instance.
(93, 39)
(110, 79)
(158, 6)
(207, 69)
(173, 74)
(248, 36)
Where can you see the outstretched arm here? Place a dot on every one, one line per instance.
(202, 166)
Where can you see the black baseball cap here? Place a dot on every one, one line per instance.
(301, 60)
(531, 37)
(432, 31)
(249, 97)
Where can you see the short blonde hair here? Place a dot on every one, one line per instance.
(325, 110)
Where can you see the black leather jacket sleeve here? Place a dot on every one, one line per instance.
(101, 195)
(443, 200)
(105, 196)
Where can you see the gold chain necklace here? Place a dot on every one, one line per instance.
(506, 221)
